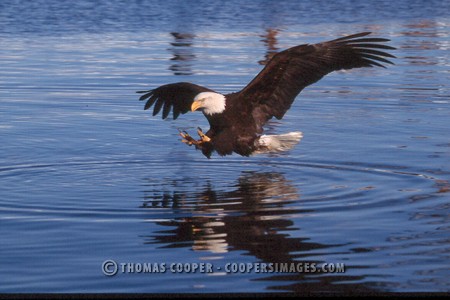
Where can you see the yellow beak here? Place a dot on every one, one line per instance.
(196, 105)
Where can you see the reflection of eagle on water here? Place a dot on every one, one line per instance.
(245, 216)
(237, 119)
(253, 218)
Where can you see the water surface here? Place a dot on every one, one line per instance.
(88, 176)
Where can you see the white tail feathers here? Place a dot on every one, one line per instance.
(277, 143)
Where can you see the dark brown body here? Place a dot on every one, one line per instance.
(234, 130)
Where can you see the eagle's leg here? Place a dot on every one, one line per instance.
(203, 137)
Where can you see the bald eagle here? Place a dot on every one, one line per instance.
(237, 119)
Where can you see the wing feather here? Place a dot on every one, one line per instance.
(273, 90)
(150, 101)
(177, 97)
(159, 103)
(166, 109)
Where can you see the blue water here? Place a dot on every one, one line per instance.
(87, 176)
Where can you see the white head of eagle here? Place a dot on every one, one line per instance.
(210, 102)
(237, 119)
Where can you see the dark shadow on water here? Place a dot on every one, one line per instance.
(269, 38)
(183, 55)
(253, 215)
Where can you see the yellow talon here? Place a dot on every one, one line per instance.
(187, 139)
(204, 137)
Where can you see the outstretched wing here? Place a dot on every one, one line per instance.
(274, 89)
(178, 96)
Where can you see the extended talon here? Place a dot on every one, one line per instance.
(187, 139)
(203, 137)
(183, 134)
